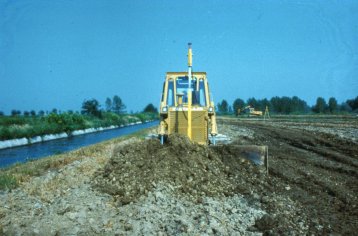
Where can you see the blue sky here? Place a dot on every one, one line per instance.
(55, 54)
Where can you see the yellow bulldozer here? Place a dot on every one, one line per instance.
(186, 107)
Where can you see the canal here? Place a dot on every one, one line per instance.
(14, 155)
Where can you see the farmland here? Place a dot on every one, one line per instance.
(142, 187)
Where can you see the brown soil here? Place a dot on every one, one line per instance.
(316, 170)
(311, 187)
(192, 169)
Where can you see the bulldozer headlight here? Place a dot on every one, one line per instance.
(211, 109)
(165, 109)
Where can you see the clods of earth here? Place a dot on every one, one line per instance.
(139, 187)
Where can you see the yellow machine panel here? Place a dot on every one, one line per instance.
(178, 123)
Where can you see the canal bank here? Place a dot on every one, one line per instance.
(38, 150)
(43, 138)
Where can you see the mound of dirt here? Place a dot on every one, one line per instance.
(190, 169)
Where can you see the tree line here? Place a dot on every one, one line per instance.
(289, 105)
(89, 107)
(115, 105)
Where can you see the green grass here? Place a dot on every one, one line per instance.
(7, 182)
(27, 127)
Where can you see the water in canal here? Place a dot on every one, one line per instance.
(38, 150)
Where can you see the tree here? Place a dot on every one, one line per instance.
(223, 107)
(117, 105)
(108, 104)
(230, 110)
(345, 107)
(91, 107)
(332, 105)
(41, 113)
(252, 102)
(262, 103)
(276, 104)
(150, 108)
(26, 113)
(298, 105)
(238, 104)
(15, 112)
(321, 105)
(54, 111)
(353, 103)
(1, 113)
(285, 105)
(32, 113)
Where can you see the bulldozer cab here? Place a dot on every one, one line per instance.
(175, 90)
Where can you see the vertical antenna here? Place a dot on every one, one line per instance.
(190, 62)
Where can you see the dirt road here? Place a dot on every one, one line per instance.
(314, 166)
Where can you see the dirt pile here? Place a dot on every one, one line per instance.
(190, 169)
(63, 201)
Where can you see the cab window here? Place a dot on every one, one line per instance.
(202, 96)
(170, 97)
(182, 87)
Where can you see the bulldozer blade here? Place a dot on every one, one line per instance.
(219, 139)
(254, 153)
(152, 136)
